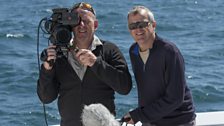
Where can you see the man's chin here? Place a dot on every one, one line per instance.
(140, 41)
(81, 38)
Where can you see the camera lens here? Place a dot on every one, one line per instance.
(63, 35)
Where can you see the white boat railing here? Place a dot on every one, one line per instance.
(210, 118)
(202, 119)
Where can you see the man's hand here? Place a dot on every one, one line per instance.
(86, 57)
(51, 56)
(127, 118)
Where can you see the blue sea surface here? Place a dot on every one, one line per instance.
(196, 27)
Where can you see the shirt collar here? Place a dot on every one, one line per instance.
(96, 42)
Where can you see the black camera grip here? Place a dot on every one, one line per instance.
(44, 56)
(50, 62)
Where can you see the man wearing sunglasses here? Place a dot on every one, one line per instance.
(163, 96)
(90, 75)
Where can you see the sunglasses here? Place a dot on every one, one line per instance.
(140, 24)
(84, 6)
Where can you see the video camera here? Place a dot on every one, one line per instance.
(59, 26)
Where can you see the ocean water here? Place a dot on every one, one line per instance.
(196, 27)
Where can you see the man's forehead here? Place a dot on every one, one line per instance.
(138, 16)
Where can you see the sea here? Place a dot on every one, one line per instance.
(195, 26)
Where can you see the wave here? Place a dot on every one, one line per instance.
(208, 94)
(14, 35)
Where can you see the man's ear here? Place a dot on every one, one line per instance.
(96, 24)
(154, 25)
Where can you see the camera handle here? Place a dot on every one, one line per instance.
(43, 57)
(50, 62)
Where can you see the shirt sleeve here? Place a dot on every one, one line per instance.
(47, 86)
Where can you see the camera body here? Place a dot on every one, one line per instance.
(59, 26)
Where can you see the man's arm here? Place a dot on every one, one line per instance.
(47, 88)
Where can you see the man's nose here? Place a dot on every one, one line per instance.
(82, 23)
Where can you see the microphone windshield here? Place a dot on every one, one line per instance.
(98, 115)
